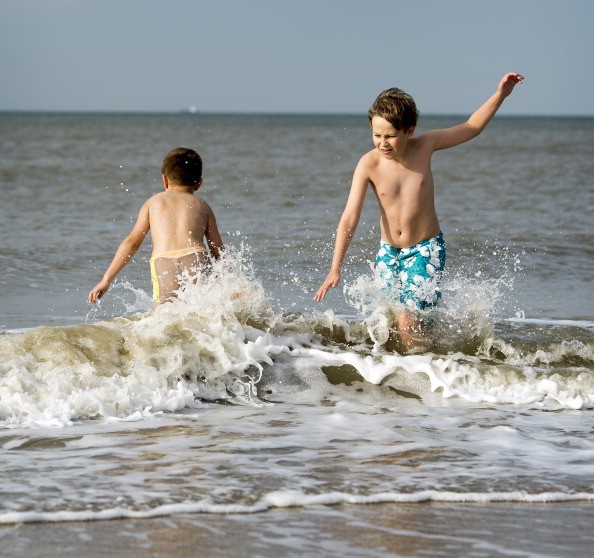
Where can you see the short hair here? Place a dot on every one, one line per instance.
(182, 166)
(397, 107)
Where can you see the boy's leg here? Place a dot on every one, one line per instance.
(422, 266)
(413, 275)
(410, 332)
(390, 273)
(387, 267)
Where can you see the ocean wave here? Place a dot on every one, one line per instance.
(222, 341)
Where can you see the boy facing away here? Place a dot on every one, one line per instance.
(412, 251)
(179, 222)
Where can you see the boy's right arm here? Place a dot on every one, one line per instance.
(123, 255)
(346, 227)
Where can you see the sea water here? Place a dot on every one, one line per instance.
(244, 396)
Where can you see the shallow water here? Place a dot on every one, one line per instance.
(247, 405)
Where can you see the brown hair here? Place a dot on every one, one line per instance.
(182, 166)
(397, 107)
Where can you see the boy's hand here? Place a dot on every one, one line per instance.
(508, 82)
(98, 291)
(331, 281)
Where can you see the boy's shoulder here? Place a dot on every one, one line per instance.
(369, 159)
(153, 200)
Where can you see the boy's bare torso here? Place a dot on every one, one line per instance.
(178, 220)
(405, 194)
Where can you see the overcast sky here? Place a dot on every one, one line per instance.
(320, 56)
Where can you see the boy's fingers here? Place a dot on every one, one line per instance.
(94, 296)
(321, 293)
(326, 286)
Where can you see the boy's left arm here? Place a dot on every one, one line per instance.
(213, 237)
(450, 137)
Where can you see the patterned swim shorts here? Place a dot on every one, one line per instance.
(412, 275)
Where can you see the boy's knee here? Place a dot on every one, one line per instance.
(408, 321)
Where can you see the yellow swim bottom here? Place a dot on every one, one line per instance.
(170, 269)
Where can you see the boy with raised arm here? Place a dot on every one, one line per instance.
(179, 223)
(412, 250)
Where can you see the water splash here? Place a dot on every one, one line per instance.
(222, 341)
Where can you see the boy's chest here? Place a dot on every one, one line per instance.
(396, 181)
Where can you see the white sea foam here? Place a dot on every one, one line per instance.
(170, 358)
(585, 324)
(291, 498)
(218, 338)
(154, 361)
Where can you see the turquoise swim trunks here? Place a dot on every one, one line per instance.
(412, 275)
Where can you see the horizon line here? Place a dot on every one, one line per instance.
(193, 114)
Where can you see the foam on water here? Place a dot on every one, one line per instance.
(152, 361)
(292, 499)
(218, 339)
(221, 459)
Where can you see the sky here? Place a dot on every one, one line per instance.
(294, 56)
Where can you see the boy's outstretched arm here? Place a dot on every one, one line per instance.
(123, 255)
(450, 137)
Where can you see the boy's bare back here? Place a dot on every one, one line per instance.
(177, 219)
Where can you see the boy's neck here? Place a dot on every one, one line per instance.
(180, 188)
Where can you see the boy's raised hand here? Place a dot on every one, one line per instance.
(508, 82)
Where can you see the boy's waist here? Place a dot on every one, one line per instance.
(178, 253)
(437, 238)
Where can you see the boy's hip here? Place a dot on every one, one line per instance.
(412, 274)
(433, 248)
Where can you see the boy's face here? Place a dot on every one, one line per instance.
(388, 140)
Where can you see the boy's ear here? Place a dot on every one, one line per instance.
(410, 131)
(165, 182)
(198, 184)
